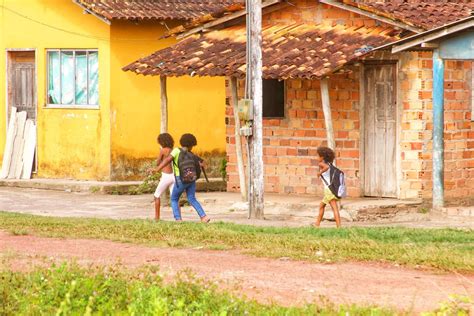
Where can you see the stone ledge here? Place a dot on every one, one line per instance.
(99, 187)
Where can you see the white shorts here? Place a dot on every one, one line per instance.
(167, 181)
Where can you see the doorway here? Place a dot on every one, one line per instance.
(380, 134)
(21, 86)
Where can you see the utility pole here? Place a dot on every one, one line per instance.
(254, 82)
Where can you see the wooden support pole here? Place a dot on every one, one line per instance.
(438, 131)
(254, 73)
(164, 105)
(327, 113)
(238, 141)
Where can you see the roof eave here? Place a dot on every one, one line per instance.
(87, 10)
(225, 19)
(372, 15)
(428, 36)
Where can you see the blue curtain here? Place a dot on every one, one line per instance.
(54, 86)
(67, 87)
(93, 78)
(67, 78)
(81, 78)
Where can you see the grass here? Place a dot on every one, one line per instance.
(443, 249)
(70, 290)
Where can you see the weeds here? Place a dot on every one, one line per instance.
(71, 290)
(445, 249)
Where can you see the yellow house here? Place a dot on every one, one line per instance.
(61, 61)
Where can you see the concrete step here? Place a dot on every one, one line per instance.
(352, 209)
(100, 187)
(465, 211)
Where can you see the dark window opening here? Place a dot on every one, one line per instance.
(273, 98)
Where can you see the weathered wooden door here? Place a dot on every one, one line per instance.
(380, 137)
(21, 83)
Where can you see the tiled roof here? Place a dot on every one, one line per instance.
(289, 51)
(159, 9)
(426, 14)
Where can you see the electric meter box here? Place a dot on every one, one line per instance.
(245, 108)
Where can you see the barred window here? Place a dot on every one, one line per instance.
(73, 78)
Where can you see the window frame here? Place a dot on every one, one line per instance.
(74, 105)
(284, 103)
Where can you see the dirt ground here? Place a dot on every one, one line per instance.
(282, 281)
(280, 210)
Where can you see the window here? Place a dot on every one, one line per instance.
(73, 78)
(273, 98)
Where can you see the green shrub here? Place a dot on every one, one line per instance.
(71, 290)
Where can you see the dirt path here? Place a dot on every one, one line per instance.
(282, 281)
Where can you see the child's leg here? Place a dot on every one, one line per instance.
(335, 209)
(322, 206)
(191, 195)
(178, 189)
(157, 208)
(165, 181)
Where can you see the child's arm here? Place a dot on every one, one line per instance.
(164, 162)
(323, 167)
(159, 160)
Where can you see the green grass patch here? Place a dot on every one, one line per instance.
(445, 249)
(70, 290)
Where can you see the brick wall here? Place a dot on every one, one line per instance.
(415, 85)
(290, 143)
(416, 137)
(459, 130)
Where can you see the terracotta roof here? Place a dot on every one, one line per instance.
(159, 9)
(289, 51)
(426, 14)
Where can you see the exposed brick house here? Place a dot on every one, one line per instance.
(381, 101)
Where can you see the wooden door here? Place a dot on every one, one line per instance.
(21, 82)
(380, 137)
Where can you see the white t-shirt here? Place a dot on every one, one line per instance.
(327, 176)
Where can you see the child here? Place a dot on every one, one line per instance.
(167, 177)
(187, 141)
(325, 158)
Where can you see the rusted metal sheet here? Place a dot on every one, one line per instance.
(159, 9)
(305, 51)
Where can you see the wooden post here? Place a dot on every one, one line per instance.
(438, 131)
(254, 73)
(164, 105)
(238, 142)
(327, 113)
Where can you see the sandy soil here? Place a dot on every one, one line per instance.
(282, 281)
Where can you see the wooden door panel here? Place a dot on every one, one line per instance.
(380, 131)
(23, 88)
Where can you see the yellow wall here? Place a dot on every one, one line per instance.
(196, 105)
(114, 140)
(72, 143)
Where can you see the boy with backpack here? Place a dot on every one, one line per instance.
(334, 185)
(187, 169)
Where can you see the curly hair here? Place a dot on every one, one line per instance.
(326, 153)
(165, 140)
(188, 140)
